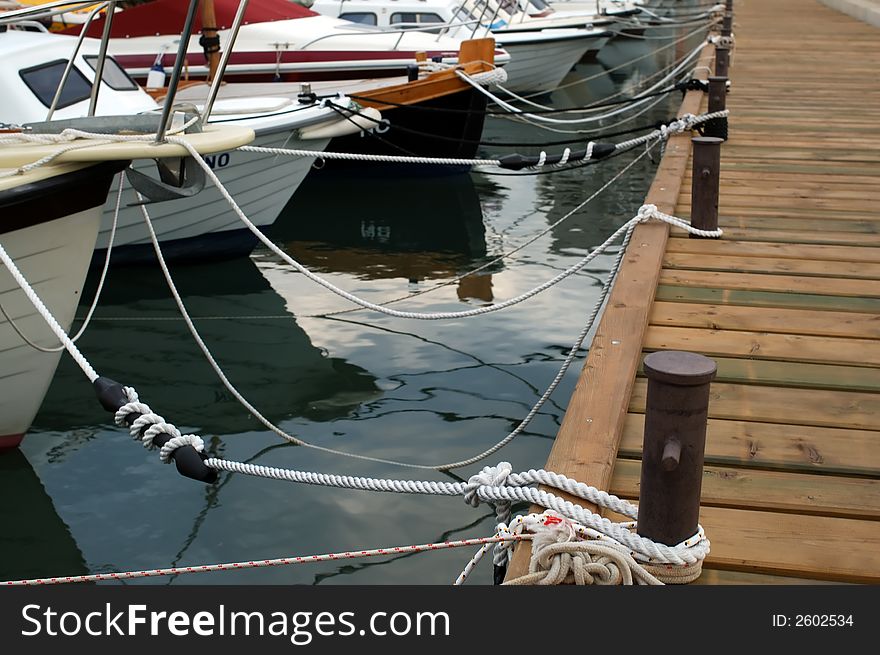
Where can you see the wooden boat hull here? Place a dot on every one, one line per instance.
(455, 125)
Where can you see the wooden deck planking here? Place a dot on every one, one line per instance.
(787, 305)
(774, 446)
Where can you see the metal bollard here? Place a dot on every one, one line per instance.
(716, 127)
(727, 20)
(722, 61)
(674, 445)
(704, 183)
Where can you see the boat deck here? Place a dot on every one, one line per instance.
(787, 303)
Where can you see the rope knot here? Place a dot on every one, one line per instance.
(490, 476)
(646, 213)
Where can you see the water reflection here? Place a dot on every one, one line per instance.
(137, 338)
(35, 541)
(418, 229)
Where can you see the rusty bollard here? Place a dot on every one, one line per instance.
(727, 20)
(676, 411)
(717, 127)
(704, 183)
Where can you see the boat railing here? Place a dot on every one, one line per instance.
(50, 9)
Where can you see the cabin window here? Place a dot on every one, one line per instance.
(113, 76)
(362, 17)
(413, 17)
(43, 80)
(408, 18)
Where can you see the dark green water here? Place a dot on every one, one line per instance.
(82, 497)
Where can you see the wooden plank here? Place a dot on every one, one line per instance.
(801, 375)
(798, 224)
(783, 544)
(823, 547)
(768, 299)
(732, 202)
(827, 236)
(711, 247)
(838, 286)
(781, 491)
(767, 319)
(766, 345)
(798, 179)
(773, 266)
(838, 409)
(586, 444)
(777, 446)
(712, 576)
(758, 188)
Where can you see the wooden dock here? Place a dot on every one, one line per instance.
(787, 303)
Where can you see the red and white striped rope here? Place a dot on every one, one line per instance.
(281, 561)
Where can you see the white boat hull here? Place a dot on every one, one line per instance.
(54, 257)
(206, 225)
(539, 67)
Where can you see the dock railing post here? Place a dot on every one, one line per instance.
(704, 183)
(717, 127)
(727, 20)
(722, 61)
(676, 414)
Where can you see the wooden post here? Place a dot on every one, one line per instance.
(727, 20)
(722, 61)
(704, 183)
(676, 412)
(717, 127)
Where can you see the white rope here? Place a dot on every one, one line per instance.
(394, 159)
(629, 63)
(442, 467)
(500, 487)
(98, 290)
(587, 119)
(392, 312)
(34, 299)
(492, 77)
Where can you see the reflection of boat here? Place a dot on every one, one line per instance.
(373, 234)
(258, 344)
(35, 542)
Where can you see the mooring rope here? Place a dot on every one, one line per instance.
(99, 289)
(255, 564)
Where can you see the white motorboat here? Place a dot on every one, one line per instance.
(204, 225)
(540, 58)
(52, 197)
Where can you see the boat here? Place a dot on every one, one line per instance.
(278, 41)
(432, 113)
(202, 226)
(51, 215)
(540, 58)
(53, 188)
